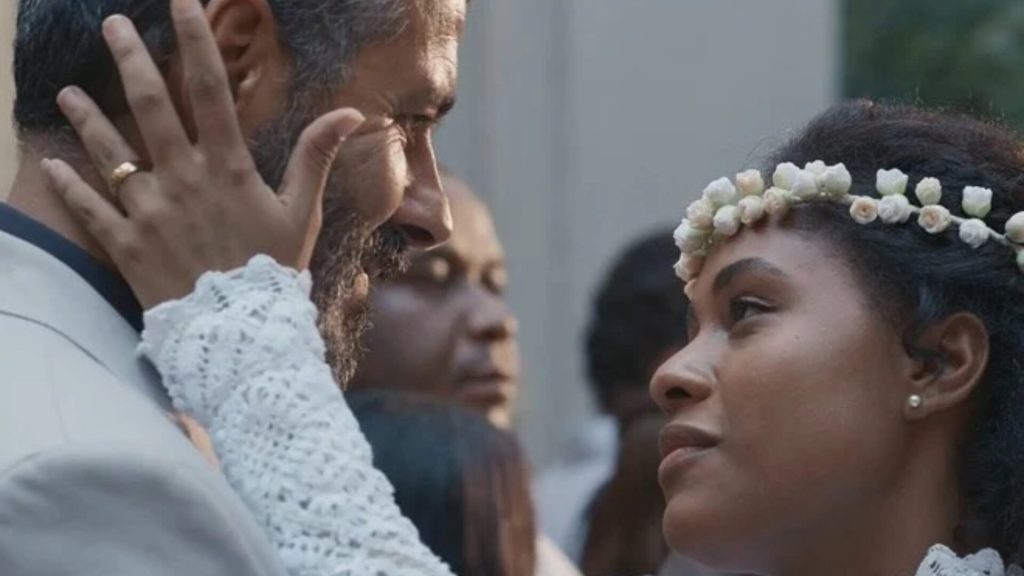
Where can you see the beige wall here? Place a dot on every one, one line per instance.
(8, 150)
(587, 122)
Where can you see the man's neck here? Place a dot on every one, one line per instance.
(33, 195)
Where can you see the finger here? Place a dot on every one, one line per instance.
(213, 106)
(146, 92)
(311, 161)
(106, 147)
(88, 206)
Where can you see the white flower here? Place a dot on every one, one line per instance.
(690, 239)
(727, 220)
(720, 192)
(777, 201)
(805, 186)
(817, 167)
(929, 191)
(750, 183)
(977, 201)
(699, 213)
(934, 218)
(751, 209)
(836, 181)
(974, 233)
(864, 210)
(688, 267)
(894, 209)
(1015, 228)
(785, 175)
(891, 182)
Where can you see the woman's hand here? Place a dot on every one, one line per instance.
(202, 205)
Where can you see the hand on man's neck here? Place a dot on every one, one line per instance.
(32, 194)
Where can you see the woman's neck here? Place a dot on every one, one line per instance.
(887, 533)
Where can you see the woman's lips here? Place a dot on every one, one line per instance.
(680, 445)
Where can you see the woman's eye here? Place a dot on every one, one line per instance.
(744, 308)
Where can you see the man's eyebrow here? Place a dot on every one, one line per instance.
(730, 273)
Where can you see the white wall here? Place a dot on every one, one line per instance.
(587, 122)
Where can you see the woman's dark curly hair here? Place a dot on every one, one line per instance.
(916, 278)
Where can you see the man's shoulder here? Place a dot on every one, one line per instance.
(89, 462)
(122, 509)
(55, 394)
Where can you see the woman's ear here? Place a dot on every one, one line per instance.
(950, 360)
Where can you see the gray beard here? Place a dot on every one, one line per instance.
(344, 249)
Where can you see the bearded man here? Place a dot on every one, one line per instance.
(95, 478)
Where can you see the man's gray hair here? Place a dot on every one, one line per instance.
(59, 43)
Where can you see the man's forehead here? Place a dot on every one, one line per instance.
(442, 18)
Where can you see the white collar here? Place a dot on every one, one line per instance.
(39, 288)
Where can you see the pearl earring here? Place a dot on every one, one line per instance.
(915, 401)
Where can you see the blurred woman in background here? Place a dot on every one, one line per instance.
(462, 482)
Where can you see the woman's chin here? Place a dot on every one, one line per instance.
(695, 529)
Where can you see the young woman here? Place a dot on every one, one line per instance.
(850, 401)
(852, 397)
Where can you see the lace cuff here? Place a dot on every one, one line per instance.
(242, 355)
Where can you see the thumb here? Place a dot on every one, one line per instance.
(311, 161)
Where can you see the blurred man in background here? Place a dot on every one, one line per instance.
(638, 321)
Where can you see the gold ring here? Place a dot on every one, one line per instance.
(120, 174)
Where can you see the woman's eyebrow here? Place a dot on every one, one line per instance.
(730, 273)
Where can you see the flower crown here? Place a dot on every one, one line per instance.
(725, 207)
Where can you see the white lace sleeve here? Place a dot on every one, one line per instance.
(242, 355)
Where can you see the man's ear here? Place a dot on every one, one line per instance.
(258, 67)
(246, 33)
(950, 358)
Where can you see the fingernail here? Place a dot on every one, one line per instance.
(184, 7)
(350, 124)
(116, 27)
(68, 96)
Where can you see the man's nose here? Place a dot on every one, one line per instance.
(424, 216)
(490, 319)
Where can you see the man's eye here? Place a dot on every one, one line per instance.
(496, 280)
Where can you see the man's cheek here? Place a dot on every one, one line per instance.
(374, 169)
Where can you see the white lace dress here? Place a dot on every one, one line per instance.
(242, 355)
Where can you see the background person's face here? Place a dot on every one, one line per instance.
(796, 382)
(443, 327)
